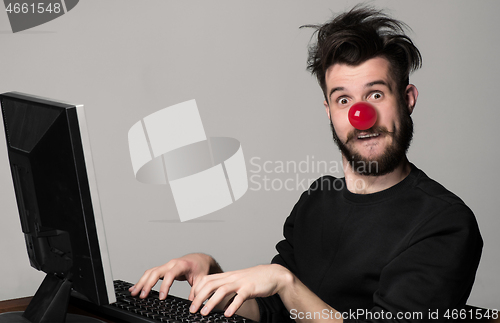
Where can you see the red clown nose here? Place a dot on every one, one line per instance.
(362, 115)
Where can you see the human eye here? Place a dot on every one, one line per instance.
(343, 100)
(377, 95)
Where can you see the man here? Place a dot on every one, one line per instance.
(391, 244)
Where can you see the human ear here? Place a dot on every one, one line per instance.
(327, 108)
(411, 95)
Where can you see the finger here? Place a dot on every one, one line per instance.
(207, 279)
(180, 270)
(236, 302)
(209, 286)
(229, 302)
(168, 279)
(198, 284)
(165, 288)
(191, 294)
(216, 298)
(136, 289)
(149, 279)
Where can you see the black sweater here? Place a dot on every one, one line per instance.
(414, 247)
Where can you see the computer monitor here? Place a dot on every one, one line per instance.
(56, 193)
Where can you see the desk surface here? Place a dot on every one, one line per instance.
(20, 304)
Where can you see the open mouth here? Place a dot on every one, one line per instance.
(367, 136)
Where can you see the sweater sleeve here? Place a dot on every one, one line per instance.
(434, 274)
(271, 308)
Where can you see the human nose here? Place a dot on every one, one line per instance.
(362, 115)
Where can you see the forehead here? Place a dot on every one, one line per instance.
(352, 77)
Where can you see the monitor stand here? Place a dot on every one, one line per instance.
(49, 304)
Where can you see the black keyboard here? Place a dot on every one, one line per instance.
(151, 309)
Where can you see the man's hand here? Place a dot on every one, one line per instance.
(259, 281)
(192, 267)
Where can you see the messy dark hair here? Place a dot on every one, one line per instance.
(358, 35)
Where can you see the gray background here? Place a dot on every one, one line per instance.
(244, 63)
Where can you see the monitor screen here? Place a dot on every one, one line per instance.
(55, 187)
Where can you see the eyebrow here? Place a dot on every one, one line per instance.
(380, 82)
(377, 82)
(338, 88)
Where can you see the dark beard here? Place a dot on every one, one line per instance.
(392, 156)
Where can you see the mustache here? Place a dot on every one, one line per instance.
(380, 129)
